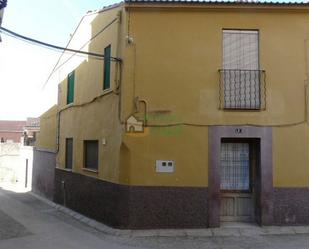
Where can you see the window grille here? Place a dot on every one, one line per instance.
(235, 164)
(242, 89)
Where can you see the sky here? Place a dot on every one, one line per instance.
(24, 68)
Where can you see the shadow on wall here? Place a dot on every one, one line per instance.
(44, 162)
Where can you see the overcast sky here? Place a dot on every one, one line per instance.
(24, 68)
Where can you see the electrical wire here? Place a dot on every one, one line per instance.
(14, 34)
(63, 49)
(53, 70)
(52, 49)
(56, 67)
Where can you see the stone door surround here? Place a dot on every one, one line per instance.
(216, 134)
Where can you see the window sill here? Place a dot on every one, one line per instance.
(107, 91)
(64, 169)
(69, 170)
(66, 105)
(90, 170)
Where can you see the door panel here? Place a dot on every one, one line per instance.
(228, 206)
(244, 205)
(237, 207)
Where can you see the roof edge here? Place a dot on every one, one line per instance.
(215, 4)
(106, 8)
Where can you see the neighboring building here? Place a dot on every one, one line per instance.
(31, 129)
(19, 131)
(44, 155)
(3, 4)
(221, 88)
(11, 131)
(46, 137)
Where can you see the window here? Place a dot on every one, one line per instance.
(107, 67)
(70, 91)
(240, 76)
(69, 153)
(91, 154)
(235, 166)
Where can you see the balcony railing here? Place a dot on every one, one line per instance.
(242, 89)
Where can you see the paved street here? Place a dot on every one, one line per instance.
(27, 222)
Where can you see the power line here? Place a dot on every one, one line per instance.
(56, 67)
(63, 49)
(52, 49)
(7, 31)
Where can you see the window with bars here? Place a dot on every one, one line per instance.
(240, 77)
(235, 166)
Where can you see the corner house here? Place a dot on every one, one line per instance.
(196, 115)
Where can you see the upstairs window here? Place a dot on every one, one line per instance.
(70, 90)
(240, 76)
(107, 67)
(91, 154)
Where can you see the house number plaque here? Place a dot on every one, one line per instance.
(238, 131)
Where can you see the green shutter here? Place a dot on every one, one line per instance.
(107, 67)
(70, 93)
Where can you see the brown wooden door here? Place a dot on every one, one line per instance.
(237, 195)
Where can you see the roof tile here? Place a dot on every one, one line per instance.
(223, 2)
(6, 125)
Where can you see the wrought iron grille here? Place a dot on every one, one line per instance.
(242, 89)
(234, 166)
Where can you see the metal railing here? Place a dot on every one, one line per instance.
(242, 89)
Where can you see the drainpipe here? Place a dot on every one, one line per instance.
(3, 4)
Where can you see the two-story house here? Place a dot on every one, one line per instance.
(196, 115)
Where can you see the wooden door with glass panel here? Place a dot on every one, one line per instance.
(237, 193)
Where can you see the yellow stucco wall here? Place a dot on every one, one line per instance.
(183, 145)
(179, 60)
(175, 69)
(94, 113)
(46, 138)
(173, 64)
(291, 157)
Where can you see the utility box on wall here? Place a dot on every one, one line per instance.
(165, 166)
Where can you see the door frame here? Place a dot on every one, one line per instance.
(254, 181)
(215, 136)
